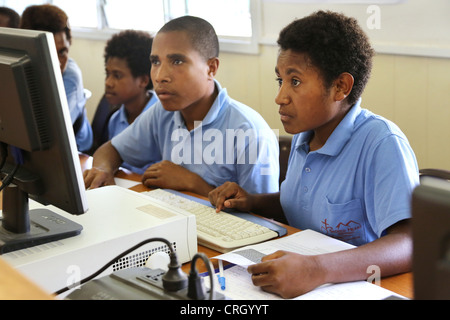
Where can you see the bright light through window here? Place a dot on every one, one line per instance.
(232, 19)
(82, 13)
(229, 18)
(135, 14)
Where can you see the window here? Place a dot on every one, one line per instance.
(235, 21)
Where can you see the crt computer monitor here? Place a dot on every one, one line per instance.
(37, 142)
(431, 239)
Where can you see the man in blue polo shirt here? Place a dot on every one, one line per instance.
(209, 149)
(127, 82)
(196, 133)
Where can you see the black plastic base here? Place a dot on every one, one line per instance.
(45, 226)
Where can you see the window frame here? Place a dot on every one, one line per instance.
(227, 44)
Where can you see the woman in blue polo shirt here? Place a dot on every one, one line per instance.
(351, 173)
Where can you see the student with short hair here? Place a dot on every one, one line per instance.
(51, 18)
(127, 82)
(198, 136)
(9, 18)
(351, 173)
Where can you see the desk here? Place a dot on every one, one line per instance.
(15, 286)
(401, 284)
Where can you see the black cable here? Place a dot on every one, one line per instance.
(4, 153)
(7, 181)
(18, 158)
(107, 265)
(193, 275)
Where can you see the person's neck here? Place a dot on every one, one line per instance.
(134, 108)
(198, 110)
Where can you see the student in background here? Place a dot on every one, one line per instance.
(351, 173)
(52, 19)
(9, 18)
(128, 83)
(189, 132)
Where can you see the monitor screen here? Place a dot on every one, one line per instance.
(38, 154)
(431, 239)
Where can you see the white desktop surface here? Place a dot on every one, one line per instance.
(117, 219)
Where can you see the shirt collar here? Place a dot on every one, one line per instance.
(339, 137)
(122, 112)
(213, 112)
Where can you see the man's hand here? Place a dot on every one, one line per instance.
(96, 177)
(166, 174)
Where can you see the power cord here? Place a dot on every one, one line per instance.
(174, 279)
(172, 274)
(195, 288)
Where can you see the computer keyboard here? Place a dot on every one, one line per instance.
(219, 231)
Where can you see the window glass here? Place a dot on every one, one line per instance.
(176, 8)
(229, 18)
(81, 13)
(232, 19)
(135, 14)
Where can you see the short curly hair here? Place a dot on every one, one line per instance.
(135, 47)
(334, 44)
(46, 17)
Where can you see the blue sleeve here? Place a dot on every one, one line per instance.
(393, 164)
(261, 174)
(137, 144)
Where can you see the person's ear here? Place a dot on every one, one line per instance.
(213, 66)
(344, 85)
(145, 80)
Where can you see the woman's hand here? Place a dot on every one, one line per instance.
(287, 274)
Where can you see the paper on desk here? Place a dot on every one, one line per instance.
(239, 285)
(125, 183)
(307, 242)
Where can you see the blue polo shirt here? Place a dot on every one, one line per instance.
(232, 143)
(119, 122)
(73, 85)
(357, 185)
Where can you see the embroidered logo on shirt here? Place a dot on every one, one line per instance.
(343, 231)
